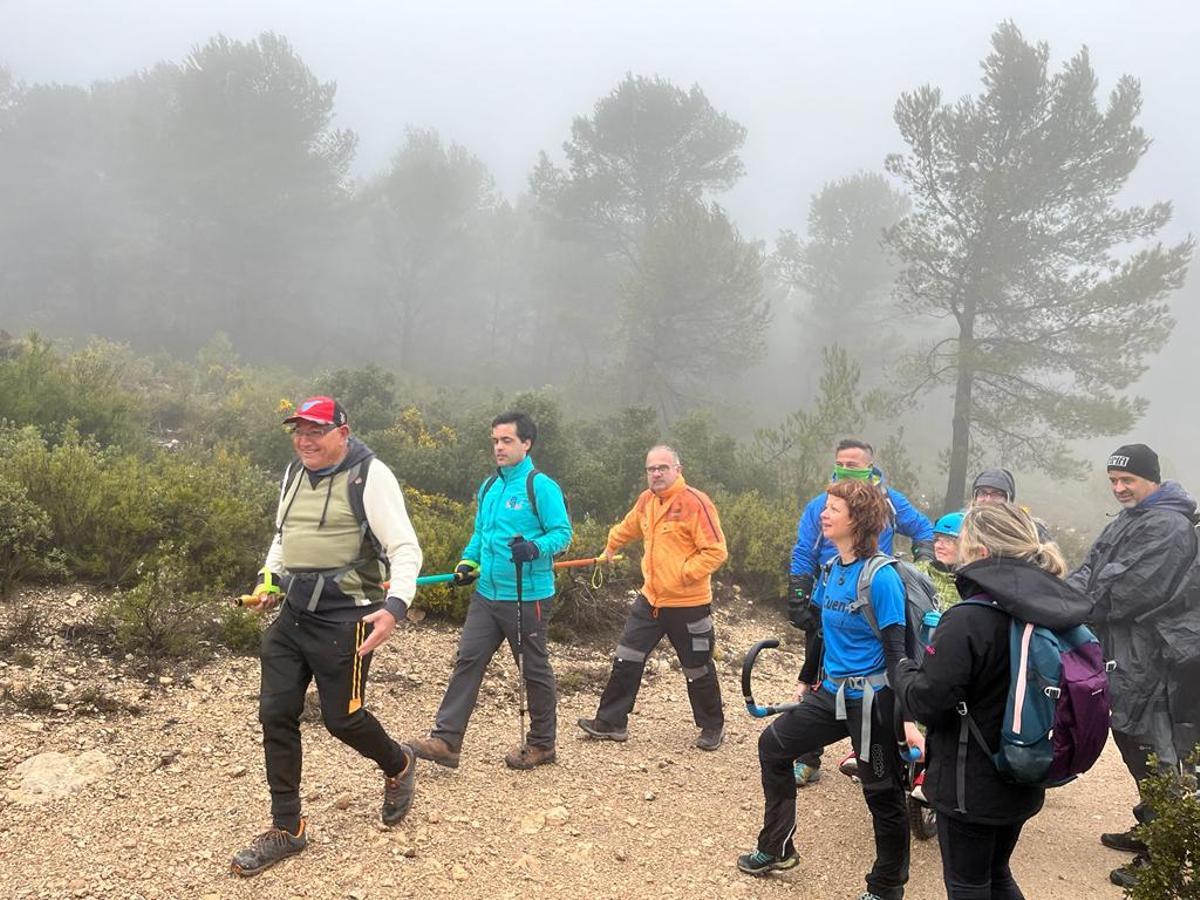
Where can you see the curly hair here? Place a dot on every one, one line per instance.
(868, 513)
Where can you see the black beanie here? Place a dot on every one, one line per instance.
(1138, 459)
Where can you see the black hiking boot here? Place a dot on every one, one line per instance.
(1123, 840)
(398, 789)
(710, 738)
(267, 849)
(602, 731)
(759, 863)
(1127, 875)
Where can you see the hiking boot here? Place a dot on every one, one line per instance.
(806, 774)
(1123, 840)
(267, 849)
(710, 738)
(435, 750)
(759, 863)
(1127, 875)
(527, 756)
(398, 789)
(602, 731)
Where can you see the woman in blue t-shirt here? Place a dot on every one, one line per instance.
(851, 698)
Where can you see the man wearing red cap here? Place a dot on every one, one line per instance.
(341, 530)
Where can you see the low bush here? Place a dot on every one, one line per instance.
(1173, 836)
(109, 510)
(443, 528)
(760, 534)
(165, 615)
(26, 540)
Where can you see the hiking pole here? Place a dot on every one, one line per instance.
(759, 712)
(249, 600)
(520, 652)
(580, 563)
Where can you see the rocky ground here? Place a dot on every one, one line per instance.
(174, 763)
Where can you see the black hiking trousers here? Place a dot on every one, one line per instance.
(297, 648)
(975, 859)
(690, 630)
(813, 725)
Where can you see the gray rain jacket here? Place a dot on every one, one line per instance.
(1132, 572)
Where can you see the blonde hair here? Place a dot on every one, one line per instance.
(1006, 530)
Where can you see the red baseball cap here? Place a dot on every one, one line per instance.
(321, 410)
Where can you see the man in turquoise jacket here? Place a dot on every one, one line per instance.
(520, 520)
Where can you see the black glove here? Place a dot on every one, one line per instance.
(523, 551)
(801, 612)
(466, 572)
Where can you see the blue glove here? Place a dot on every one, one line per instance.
(523, 551)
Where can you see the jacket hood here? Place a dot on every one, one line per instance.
(1171, 496)
(999, 479)
(356, 452)
(1026, 591)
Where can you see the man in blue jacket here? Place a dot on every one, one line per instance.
(520, 520)
(853, 459)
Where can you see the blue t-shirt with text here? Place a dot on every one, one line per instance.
(851, 647)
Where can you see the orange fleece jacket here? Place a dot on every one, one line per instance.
(684, 544)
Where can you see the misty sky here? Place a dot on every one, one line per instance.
(813, 82)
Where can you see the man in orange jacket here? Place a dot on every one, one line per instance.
(683, 547)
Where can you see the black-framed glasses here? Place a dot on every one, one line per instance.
(658, 470)
(312, 433)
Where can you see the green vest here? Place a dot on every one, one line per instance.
(321, 533)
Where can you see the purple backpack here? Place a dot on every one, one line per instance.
(1056, 716)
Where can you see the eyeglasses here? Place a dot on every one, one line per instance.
(990, 494)
(312, 434)
(658, 470)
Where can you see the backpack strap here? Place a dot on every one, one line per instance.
(290, 474)
(862, 599)
(487, 486)
(868, 684)
(968, 727)
(529, 493)
(356, 486)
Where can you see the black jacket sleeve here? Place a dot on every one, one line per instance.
(938, 686)
(814, 647)
(893, 654)
(1145, 568)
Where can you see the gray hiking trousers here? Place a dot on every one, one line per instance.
(489, 624)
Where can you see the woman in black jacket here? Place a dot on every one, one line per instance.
(1012, 573)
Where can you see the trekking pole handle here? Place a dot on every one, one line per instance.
(759, 712)
(435, 579)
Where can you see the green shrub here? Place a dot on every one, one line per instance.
(109, 510)
(26, 541)
(241, 630)
(164, 616)
(443, 529)
(82, 392)
(760, 534)
(1173, 836)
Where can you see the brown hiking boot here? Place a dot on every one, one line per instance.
(527, 756)
(435, 750)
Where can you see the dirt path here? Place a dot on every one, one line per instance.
(653, 817)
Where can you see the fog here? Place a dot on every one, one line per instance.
(814, 86)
